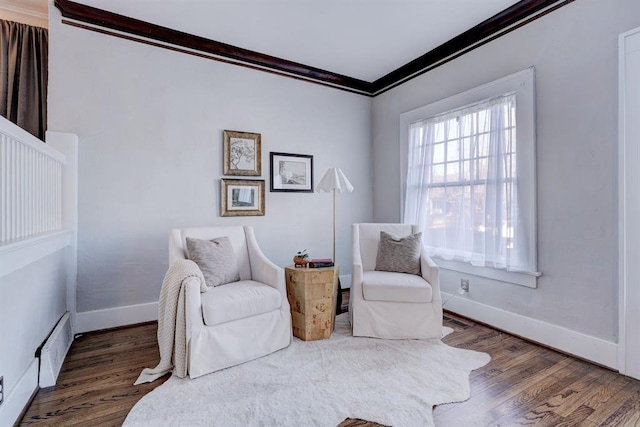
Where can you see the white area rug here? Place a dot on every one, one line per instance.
(319, 383)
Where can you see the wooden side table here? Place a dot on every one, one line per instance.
(312, 296)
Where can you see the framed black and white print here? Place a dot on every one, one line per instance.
(242, 153)
(291, 172)
(241, 197)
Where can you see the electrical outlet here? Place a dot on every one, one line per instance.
(1, 390)
(464, 285)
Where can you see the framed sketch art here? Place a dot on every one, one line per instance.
(241, 197)
(242, 153)
(291, 172)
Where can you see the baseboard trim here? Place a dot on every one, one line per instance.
(16, 401)
(566, 340)
(114, 317)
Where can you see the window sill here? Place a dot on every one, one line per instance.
(520, 279)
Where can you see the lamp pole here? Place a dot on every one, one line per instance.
(334, 226)
(334, 180)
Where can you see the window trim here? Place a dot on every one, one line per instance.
(523, 84)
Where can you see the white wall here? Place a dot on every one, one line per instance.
(574, 52)
(32, 300)
(150, 124)
(36, 254)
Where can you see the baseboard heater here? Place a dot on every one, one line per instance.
(54, 351)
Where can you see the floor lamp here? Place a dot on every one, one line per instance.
(334, 180)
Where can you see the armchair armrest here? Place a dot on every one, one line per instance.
(431, 273)
(176, 251)
(262, 269)
(356, 268)
(193, 309)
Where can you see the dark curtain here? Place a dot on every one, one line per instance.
(24, 57)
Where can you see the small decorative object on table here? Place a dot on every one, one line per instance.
(301, 259)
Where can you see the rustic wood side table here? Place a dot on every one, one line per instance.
(312, 296)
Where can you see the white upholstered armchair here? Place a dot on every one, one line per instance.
(236, 322)
(393, 305)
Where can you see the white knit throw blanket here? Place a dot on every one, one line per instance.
(172, 323)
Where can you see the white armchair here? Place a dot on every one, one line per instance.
(237, 322)
(392, 305)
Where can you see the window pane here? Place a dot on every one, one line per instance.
(453, 150)
(513, 140)
(454, 215)
(466, 148)
(483, 121)
(482, 166)
(466, 170)
(467, 126)
(437, 174)
(483, 144)
(437, 208)
(417, 134)
(439, 132)
(507, 231)
(452, 129)
(477, 199)
(453, 172)
(438, 153)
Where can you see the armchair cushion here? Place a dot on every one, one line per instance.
(238, 300)
(399, 254)
(215, 258)
(396, 287)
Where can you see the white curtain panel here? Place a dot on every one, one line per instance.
(462, 186)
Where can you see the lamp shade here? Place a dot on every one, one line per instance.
(334, 179)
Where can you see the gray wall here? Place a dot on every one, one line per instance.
(574, 52)
(150, 125)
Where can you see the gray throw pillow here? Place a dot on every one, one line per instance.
(399, 254)
(215, 258)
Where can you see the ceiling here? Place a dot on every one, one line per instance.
(365, 39)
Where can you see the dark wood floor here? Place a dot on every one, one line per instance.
(524, 384)
(95, 386)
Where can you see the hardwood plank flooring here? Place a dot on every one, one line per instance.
(95, 386)
(523, 385)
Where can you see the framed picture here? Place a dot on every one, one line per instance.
(242, 153)
(291, 172)
(241, 197)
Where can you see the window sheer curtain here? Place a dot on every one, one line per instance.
(24, 55)
(468, 209)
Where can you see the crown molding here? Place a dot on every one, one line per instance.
(512, 18)
(94, 19)
(13, 7)
(142, 31)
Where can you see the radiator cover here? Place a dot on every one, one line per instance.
(54, 351)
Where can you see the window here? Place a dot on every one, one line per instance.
(470, 181)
